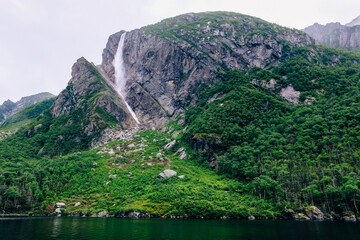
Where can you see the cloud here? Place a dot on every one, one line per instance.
(19, 4)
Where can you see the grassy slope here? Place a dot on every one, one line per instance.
(83, 176)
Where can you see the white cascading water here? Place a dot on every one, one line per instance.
(120, 77)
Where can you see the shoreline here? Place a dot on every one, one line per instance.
(16, 215)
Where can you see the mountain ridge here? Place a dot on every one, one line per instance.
(9, 108)
(337, 35)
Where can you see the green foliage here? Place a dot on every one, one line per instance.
(29, 112)
(305, 154)
(37, 183)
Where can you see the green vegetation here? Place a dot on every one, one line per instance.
(37, 183)
(30, 112)
(266, 153)
(301, 155)
(197, 27)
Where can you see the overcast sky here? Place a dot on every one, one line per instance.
(41, 39)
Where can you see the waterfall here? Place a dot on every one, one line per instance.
(120, 76)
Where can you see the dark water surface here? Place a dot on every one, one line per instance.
(114, 228)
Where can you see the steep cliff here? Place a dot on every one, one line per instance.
(337, 35)
(167, 62)
(89, 92)
(165, 66)
(9, 108)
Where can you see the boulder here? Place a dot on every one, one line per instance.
(181, 176)
(169, 145)
(111, 152)
(181, 152)
(301, 216)
(167, 173)
(60, 205)
(251, 218)
(102, 214)
(77, 204)
(314, 213)
(350, 218)
(58, 210)
(113, 176)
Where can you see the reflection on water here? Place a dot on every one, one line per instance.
(56, 225)
(113, 228)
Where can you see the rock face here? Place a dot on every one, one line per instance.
(337, 35)
(9, 108)
(91, 93)
(166, 63)
(87, 81)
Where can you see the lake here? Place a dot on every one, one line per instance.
(115, 228)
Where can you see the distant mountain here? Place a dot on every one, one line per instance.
(9, 108)
(354, 22)
(337, 35)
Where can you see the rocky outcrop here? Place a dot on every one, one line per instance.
(9, 108)
(90, 92)
(170, 145)
(133, 215)
(166, 63)
(301, 217)
(290, 94)
(337, 35)
(102, 214)
(314, 213)
(205, 142)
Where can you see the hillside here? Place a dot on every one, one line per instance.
(9, 108)
(252, 116)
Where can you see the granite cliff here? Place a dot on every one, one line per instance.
(165, 65)
(167, 62)
(337, 35)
